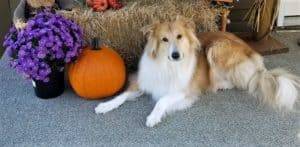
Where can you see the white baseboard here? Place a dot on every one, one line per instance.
(291, 21)
(288, 8)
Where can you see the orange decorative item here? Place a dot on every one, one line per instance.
(115, 4)
(99, 72)
(102, 5)
(99, 5)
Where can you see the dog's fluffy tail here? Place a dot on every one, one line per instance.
(276, 87)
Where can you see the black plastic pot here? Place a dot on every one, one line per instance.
(54, 88)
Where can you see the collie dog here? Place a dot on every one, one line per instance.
(178, 66)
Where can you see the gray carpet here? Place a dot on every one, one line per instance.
(229, 118)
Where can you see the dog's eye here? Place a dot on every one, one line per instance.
(179, 36)
(165, 39)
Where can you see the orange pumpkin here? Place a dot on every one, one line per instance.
(99, 72)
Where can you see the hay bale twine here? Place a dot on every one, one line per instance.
(120, 29)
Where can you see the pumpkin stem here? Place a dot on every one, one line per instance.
(96, 43)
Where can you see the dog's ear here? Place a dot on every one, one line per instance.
(191, 31)
(152, 44)
(188, 23)
(149, 29)
(194, 41)
(196, 44)
(152, 47)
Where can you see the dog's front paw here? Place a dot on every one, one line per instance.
(153, 120)
(105, 107)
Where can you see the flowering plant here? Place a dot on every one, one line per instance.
(48, 42)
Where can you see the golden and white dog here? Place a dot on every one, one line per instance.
(177, 67)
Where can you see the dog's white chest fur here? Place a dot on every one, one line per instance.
(161, 77)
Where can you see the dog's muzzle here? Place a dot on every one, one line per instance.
(175, 56)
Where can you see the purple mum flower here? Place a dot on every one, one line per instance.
(48, 42)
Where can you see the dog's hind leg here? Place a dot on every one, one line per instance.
(167, 104)
(131, 93)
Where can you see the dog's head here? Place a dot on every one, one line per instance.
(173, 40)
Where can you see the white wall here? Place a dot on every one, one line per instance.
(289, 8)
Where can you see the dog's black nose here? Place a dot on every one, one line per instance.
(175, 55)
